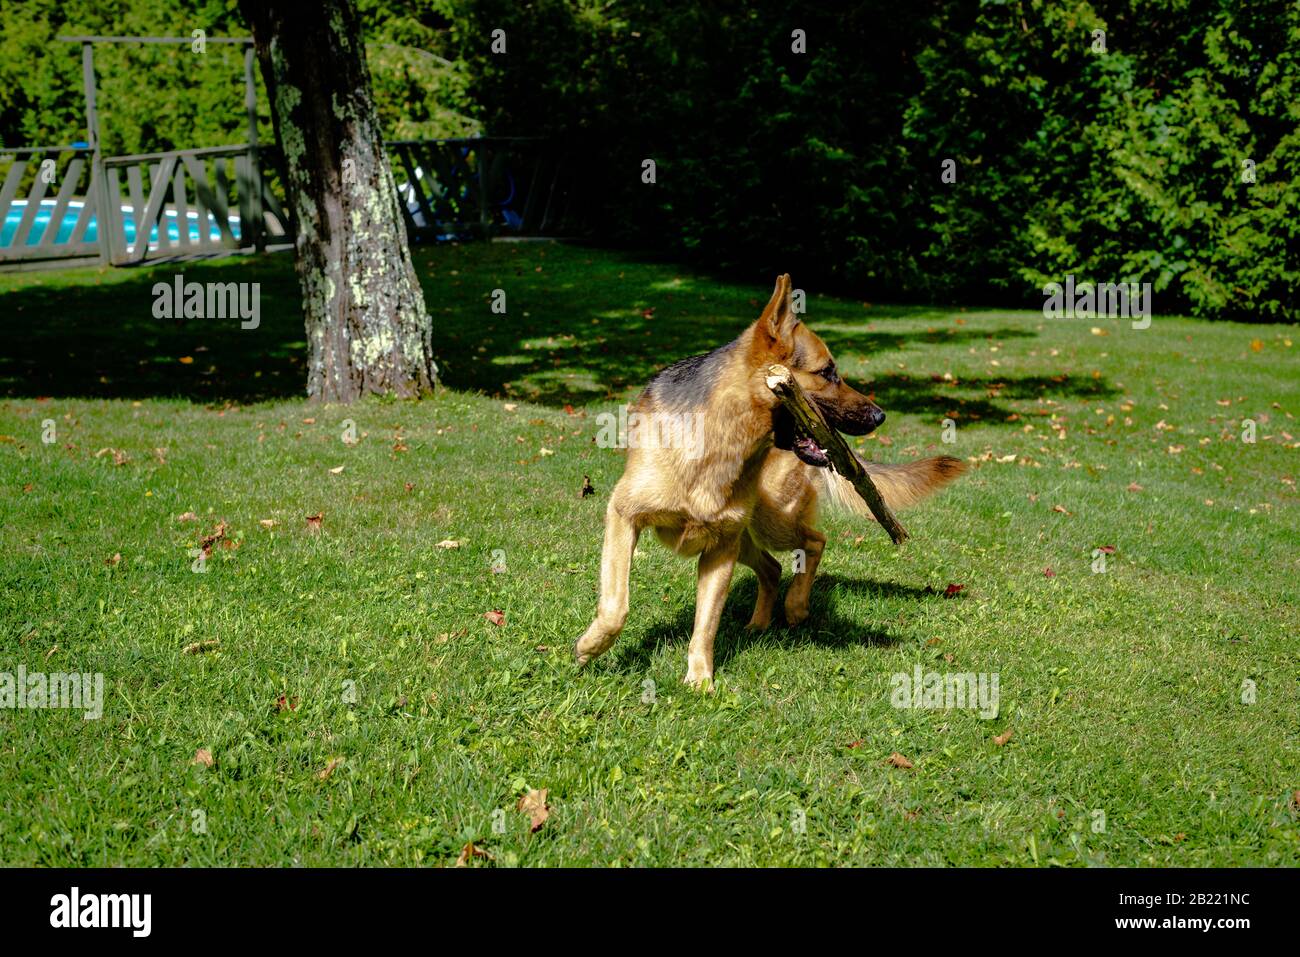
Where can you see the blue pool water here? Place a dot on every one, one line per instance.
(41, 223)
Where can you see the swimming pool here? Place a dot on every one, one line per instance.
(68, 222)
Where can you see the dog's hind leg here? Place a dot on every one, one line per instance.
(714, 579)
(768, 570)
(796, 599)
(615, 568)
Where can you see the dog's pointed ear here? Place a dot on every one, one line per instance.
(778, 320)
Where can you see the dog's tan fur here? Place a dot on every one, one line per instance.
(739, 498)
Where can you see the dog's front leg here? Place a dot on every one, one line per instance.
(615, 569)
(716, 565)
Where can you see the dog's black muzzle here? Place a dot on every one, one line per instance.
(862, 419)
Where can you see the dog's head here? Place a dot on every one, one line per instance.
(779, 337)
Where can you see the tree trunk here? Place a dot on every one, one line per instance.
(367, 327)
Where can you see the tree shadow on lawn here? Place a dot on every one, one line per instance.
(593, 329)
(825, 626)
(94, 335)
(933, 396)
(570, 350)
(586, 329)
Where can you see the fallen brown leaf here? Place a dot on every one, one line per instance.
(313, 522)
(119, 457)
(201, 646)
(329, 768)
(1003, 738)
(469, 852)
(953, 590)
(218, 535)
(497, 617)
(898, 761)
(203, 756)
(534, 805)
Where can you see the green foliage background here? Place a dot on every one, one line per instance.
(157, 97)
(1119, 166)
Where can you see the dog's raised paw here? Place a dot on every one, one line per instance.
(583, 656)
(591, 645)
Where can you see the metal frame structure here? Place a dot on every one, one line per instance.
(156, 228)
(216, 201)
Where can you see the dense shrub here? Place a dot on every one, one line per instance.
(1122, 165)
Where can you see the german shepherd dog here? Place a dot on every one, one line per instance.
(749, 486)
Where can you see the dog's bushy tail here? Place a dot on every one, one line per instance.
(900, 485)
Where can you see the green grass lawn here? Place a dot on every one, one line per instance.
(361, 645)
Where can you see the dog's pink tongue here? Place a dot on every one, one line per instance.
(810, 452)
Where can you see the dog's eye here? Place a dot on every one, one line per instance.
(829, 374)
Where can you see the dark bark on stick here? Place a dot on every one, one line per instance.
(809, 421)
(368, 331)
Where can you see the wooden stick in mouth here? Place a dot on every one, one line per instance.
(810, 422)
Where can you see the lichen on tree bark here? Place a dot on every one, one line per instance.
(368, 331)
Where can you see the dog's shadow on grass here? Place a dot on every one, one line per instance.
(824, 627)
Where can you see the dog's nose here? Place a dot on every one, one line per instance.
(877, 417)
